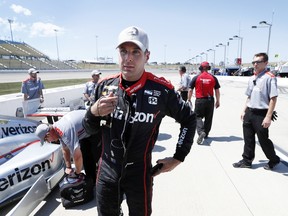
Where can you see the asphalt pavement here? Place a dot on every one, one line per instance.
(207, 184)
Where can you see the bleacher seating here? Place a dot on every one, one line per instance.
(34, 52)
(18, 55)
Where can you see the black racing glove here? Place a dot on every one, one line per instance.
(274, 116)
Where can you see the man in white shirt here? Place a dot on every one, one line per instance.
(184, 83)
(90, 87)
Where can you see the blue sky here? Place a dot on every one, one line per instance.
(178, 30)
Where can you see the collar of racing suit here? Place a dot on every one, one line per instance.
(136, 86)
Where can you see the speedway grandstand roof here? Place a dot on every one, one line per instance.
(19, 55)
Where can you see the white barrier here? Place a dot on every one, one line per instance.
(56, 97)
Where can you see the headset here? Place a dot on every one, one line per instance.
(201, 68)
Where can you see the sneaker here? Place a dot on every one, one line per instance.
(242, 164)
(201, 137)
(271, 165)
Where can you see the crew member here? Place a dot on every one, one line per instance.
(184, 83)
(205, 85)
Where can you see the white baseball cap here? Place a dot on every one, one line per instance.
(135, 35)
(95, 72)
(41, 131)
(32, 70)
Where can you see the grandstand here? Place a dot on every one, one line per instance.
(19, 56)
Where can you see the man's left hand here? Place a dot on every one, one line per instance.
(168, 165)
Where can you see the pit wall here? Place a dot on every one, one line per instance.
(56, 97)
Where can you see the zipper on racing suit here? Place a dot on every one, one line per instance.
(130, 113)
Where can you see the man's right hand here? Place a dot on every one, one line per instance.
(69, 170)
(104, 105)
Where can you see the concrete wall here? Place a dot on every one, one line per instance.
(56, 97)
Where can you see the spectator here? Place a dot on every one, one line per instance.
(70, 132)
(257, 114)
(184, 83)
(32, 87)
(130, 107)
(90, 87)
(204, 84)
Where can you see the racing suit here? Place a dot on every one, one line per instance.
(128, 137)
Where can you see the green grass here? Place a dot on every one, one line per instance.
(15, 87)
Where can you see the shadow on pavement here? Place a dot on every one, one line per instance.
(282, 167)
(224, 139)
(163, 136)
(158, 148)
(207, 141)
(55, 200)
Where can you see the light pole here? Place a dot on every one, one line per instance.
(197, 61)
(57, 44)
(241, 45)
(194, 62)
(213, 56)
(205, 54)
(165, 47)
(201, 59)
(96, 47)
(10, 22)
(266, 25)
(220, 44)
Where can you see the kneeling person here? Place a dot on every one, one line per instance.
(71, 134)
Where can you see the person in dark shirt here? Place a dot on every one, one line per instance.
(205, 84)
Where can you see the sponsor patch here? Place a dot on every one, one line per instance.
(156, 93)
(153, 100)
(148, 92)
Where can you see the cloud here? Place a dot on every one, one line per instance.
(16, 26)
(19, 26)
(3, 21)
(44, 29)
(19, 9)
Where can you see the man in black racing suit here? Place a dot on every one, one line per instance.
(128, 110)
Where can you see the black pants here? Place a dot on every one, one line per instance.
(252, 125)
(91, 151)
(204, 108)
(134, 183)
(184, 95)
